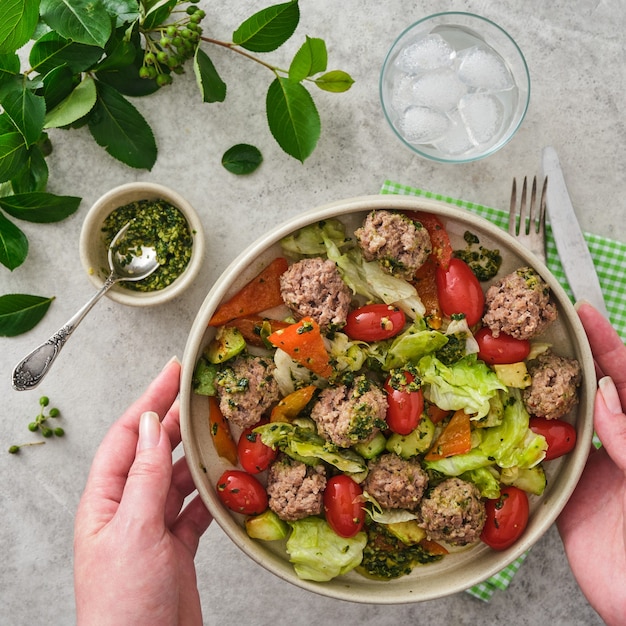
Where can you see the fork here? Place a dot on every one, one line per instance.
(530, 228)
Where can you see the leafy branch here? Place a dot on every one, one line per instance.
(87, 57)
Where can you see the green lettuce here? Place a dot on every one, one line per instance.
(317, 553)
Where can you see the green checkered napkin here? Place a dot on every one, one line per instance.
(609, 257)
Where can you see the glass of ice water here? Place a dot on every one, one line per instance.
(455, 87)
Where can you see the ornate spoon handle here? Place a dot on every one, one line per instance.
(29, 372)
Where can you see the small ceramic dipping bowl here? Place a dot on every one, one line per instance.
(94, 247)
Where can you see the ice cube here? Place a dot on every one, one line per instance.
(482, 68)
(402, 96)
(456, 141)
(422, 125)
(483, 116)
(440, 89)
(425, 54)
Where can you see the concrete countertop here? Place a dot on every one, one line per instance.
(575, 52)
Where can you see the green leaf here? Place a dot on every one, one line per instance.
(336, 81)
(157, 13)
(125, 11)
(57, 85)
(117, 126)
(292, 117)
(19, 18)
(126, 81)
(309, 60)
(51, 50)
(119, 53)
(75, 106)
(13, 244)
(242, 159)
(83, 21)
(39, 206)
(212, 87)
(34, 175)
(9, 66)
(25, 109)
(268, 29)
(13, 155)
(21, 312)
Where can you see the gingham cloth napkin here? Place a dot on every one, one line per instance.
(609, 257)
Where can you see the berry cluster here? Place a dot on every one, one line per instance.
(168, 46)
(39, 424)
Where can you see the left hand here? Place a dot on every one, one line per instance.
(134, 547)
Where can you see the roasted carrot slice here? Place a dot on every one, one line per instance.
(291, 405)
(442, 248)
(426, 284)
(434, 548)
(454, 439)
(252, 326)
(261, 293)
(223, 441)
(303, 342)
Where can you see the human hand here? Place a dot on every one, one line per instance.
(134, 545)
(593, 524)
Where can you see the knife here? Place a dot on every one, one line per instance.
(570, 242)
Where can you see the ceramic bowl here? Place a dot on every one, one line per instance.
(93, 251)
(456, 571)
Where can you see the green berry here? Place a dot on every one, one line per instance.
(162, 57)
(54, 412)
(165, 42)
(143, 72)
(14, 449)
(191, 10)
(163, 79)
(194, 19)
(59, 432)
(170, 31)
(44, 401)
(177, 41)
(33, 427)
(185, 33)
(149, 58)
(47, 432)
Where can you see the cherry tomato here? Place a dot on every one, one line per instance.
(343, 506)
(254, 455)
(404, 405)
(374, 322)
(507, 517)
(459, 291)
(560, 435)
(501, 349)
(242, 492)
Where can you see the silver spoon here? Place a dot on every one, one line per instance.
(31, 370)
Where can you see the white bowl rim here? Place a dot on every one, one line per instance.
(384, 591)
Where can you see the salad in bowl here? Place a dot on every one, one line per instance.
(386, 396)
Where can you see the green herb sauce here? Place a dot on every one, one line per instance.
(154, 223)
(484, 263)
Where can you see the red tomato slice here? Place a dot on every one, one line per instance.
(460, 292)
(507, 518)
(404, 405)
(374, 322)
(343, 506)
(242, 493)
(502, 349)
(254, 455)
(560, 435)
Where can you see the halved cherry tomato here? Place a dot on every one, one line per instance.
(436, 414)
(507, 517)
(405, 403)
(502, 349)
(560, 435)
(374, 322)
(241, 492)
(343, 505)
(460, 292)
(254, 455)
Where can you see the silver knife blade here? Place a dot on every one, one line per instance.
(570, 242)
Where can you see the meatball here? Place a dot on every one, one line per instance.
(519, 305)
(396, 483)
(453, 512)
(401, 245)
(295, 490)
(246, 389)
(553, 390)
(313, 287)
(346, 415)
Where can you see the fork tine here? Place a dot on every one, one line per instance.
(532, 225)
(542, 208)
(512, 209)
(523, 222)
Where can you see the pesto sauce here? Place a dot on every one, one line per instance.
(158, 224)
(485, 263)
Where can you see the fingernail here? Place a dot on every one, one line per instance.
(607, 388)
(149, 431)
(174, 359)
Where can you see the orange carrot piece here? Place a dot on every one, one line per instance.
(261, 293)
(454, 439)
(303, 342)
(251, 325)
(425, 282)
(442, 248)
(434, 548)
(223, 441)
(291, 405)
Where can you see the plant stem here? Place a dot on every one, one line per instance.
(234, 48)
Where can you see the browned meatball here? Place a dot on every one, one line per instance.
(554, 389)
(313, 287)
(519, 305)
(401, 245)
(453, 512)
(395, 483)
